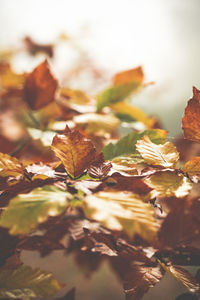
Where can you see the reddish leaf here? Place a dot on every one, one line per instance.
(190, 121)
(40, 86)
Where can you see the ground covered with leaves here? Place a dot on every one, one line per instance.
(99, 171)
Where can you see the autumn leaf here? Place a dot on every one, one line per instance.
(169, 183)
(26, 282)
(26, 211)
(40, 87)
(75, 96)
(190, 121)
(184, 277)
(165, 155)
(132, 113)
(99, 170)
(75, 151)
(181, 226)
(127, 76)
(8, 78)
(192, 168)
(127, 144)
(122, 211)
(139, 279)
(124, 84)
(97, 124)
(10, 166)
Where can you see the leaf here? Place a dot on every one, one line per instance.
(26, 282)
(115, 94)
(183, 276)
(75, 96)
(97, 124)
(122, 211)
(139, 279)
(124, 84)
(131, 75)
(100, 170)
(46, 137)
(10, 166)
(126, 165)
(127, 144)
(190, 121)
(133, 113)
(35, 48)
(8, 78)
(40, 87)
(192, 168)
(75, 151)
(26, 211)
(168, 183)
(181, 226)
(165, 155)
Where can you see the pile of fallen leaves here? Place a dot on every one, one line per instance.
(100, 171)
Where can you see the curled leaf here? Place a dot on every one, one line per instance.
(165, 155)
(75, 151)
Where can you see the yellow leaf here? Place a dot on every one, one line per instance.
(122, 211)
(8, 78)
(74, 150)
(192, 167)
(97, 123)
(165, 155)
(10, 166)
(136, 113)
(169, 183)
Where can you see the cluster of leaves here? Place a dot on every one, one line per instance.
(67, 168)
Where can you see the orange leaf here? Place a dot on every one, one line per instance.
(128, 76)
(40, 86)
(190, 121)
(74, 150)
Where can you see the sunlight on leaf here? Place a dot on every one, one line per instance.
(26, 211)
(165, 155)
(192, 167)
(127, 144)
(169, 183)
(122, 211)
(25, 282)
(10, 166)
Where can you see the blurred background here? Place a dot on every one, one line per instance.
(161, 35)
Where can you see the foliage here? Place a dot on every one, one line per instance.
(70, 171)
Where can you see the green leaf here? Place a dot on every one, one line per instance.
(25, 283)
(26, 211)
(127, 144)
(116, 94)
